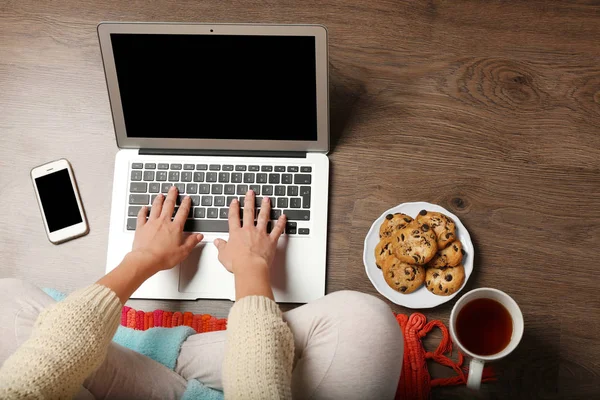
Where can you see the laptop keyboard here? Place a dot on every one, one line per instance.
(212, 187)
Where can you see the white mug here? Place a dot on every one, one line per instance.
(477, 361)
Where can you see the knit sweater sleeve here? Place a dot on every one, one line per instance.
(69, 341)
(259, 351)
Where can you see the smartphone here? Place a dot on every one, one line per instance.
(60, 204)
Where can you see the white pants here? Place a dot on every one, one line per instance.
(348, 346)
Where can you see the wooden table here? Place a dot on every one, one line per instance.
(490, 109)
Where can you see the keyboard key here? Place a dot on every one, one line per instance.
(248, 177)
(279, 168)
(212, 213)
(198, 176)
(191, 188)
(274, 178)
(164, 188)
(150, 166)
(131, 222)
(297, 215)
(186, 176)
(211, 177)
(266, 168)
(286, 178)
(295, 202)
(179, 199)
(154, 187)
(236, 177)
(206, 201)
(261, 178)
(305, 194)
(224, 213)
(214, 167)
(224, 177)
(300, 179)
(142, 199)
(133, 211)
(176, 167)
(161, 176)
(219, 201)
(267, 190)
(279, 190)
(240, 167)
(148, 176)
(275, 214)
(253, 168)
(173, 176)
(282, 202)
(292, 191)
(217, 189)
(199, 212)
(195, 200)
(229, 189)
(305, 169)
(180, 187)
(229, 200)
(204, 188)
(204, 225)
(201, 167)
(137, 165)
(303, 231)
(190, 213)
(292, 169)
(188, 167)
(256, 188)
(136, 175)
(138, 187)
(242, 200)
(228, 167)
(163, 166)
(242, 189)
(290, 228)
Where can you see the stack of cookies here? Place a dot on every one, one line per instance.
(426, 250)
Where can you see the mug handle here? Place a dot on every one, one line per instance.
(475, 374)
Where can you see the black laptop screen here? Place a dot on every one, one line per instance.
(217, 86)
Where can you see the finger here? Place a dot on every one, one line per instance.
(157, 206)
(169, 204)
(183, 212)
(191, 241)
(263, 216)
(249, 209)
(234, 215)
(279, 227)
(141, 217)
(220, 243)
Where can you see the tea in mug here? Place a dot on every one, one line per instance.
(484, 327)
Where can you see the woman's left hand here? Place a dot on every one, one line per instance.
(160, 241)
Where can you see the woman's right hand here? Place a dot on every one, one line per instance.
(250, 250)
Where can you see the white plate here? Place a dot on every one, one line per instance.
(421, 298)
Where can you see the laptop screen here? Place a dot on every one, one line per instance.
(217, 86)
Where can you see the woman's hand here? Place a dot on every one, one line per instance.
(158, 240)
(250, 249)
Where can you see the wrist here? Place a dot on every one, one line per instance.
(249, 266)
(142, 262)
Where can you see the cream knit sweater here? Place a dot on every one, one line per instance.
(70, 340)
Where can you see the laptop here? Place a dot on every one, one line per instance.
(216, 110)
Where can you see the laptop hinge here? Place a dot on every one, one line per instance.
(224, 153)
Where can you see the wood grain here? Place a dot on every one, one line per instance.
(490, 109)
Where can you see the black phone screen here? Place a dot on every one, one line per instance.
(59, 203)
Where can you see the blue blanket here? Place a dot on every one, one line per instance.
(161, 345)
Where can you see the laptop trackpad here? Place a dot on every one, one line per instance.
(202, 274)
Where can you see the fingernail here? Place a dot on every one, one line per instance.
(266, 200)
(234, 201)
(250, 192)
(172, 188)
(187, 197)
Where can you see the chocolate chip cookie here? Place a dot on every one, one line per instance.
(383, 251)
(444, 281)
(444, 227)
(392, 223)
(403, 277)
(451, 256)
(414, 244)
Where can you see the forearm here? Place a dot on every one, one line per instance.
(253, 279)
(68, 342)
(128, 276)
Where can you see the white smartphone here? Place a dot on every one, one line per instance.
(60, 204)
